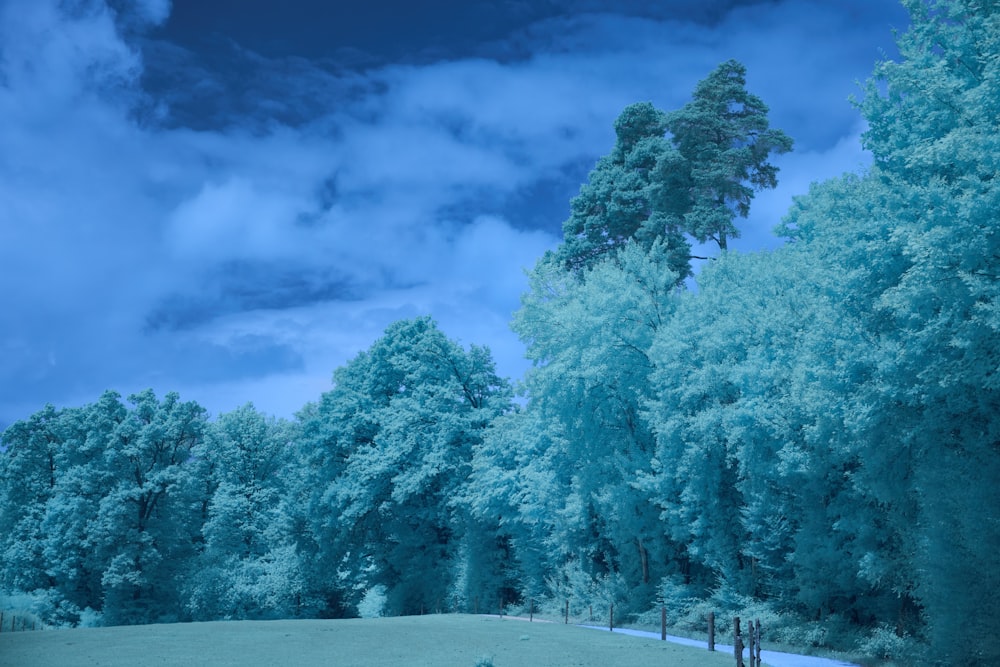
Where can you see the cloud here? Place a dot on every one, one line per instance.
(798, 170)
(490, 258)
(237, 228)
(234, 220)
(153, 12)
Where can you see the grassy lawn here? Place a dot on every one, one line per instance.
(441, 641)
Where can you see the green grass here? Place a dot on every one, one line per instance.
(413, 641)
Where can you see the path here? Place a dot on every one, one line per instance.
(772, 658)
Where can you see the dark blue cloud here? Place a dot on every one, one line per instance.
(239, 286)
(392, 31)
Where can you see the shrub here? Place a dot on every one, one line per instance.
(883, 643)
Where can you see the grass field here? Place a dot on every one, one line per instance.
(414, 641)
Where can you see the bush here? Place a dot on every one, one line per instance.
(372, 604)
(35, 610)
(884, 644)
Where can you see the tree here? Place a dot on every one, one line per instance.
(105, 507)
(29, 472)
(70, 556)
(760, 377)
(725, 139)
(589, 337)
(394, 443)
(847, 231)
(616, 205)
(249, 566)
(688, 173)
(513, 499)
(147, 522)
(935, 135)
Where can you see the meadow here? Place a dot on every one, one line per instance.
(414, 641)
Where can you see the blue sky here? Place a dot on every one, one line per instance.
(232, 198)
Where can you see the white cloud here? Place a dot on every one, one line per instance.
(489, 258)
(417, 159)
(153, 11)
(234, 220)
(50, 64)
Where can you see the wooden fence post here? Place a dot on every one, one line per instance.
(663, 623)
(750, 641)
(1, 621)
(737, 642)
(531, 610)
(567, 611)
(756, 639)
(711, 631)
(611, 618)
(591, 612)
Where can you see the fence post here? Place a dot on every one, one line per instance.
(750, 640)
(1, 621)
(567, 611)
(663, 623)
(611, 618)
(737, 642)
(477, 605)
(531, 610)
(711, 631)
(756, 639)
(591, 612)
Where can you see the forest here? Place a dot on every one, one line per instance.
(809, 435)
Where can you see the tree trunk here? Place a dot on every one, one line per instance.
(644, 560)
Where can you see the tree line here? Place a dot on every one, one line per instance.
(810, 435)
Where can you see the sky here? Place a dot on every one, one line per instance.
(231, 198)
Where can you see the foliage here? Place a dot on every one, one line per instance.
(248, 565)
(671, 177)
(724, 138)
(935, 134)
(885, 643)
(394, 441)
(809, 437)
(109, 517)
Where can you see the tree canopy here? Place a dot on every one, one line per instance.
(674, 176)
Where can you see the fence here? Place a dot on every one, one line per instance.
(744, 643)
(11, 622)
(752, 643)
